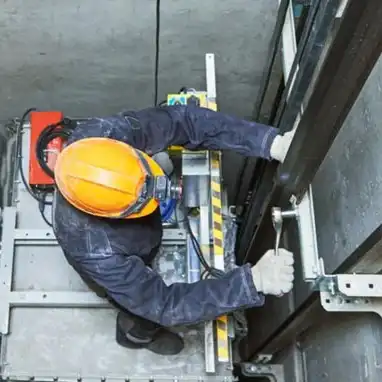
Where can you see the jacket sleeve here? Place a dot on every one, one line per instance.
(154, 129)
(142, 291)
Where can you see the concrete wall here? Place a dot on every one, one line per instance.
(345, 348)
(97, 57)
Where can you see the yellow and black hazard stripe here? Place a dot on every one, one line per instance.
(217, 220)
(222, 338)
(218, 250)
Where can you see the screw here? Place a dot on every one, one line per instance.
(331, 287)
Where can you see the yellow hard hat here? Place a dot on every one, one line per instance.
(109, 178)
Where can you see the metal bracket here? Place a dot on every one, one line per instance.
(263, 358)
(338, 292)
(274, 372)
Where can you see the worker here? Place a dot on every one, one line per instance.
(108, 223)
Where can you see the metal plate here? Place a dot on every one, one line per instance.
(360, 285)
(350, 304)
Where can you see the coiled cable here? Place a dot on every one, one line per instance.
(62, 129)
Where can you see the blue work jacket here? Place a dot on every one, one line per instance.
(115, 254)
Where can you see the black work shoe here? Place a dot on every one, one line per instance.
(162, 341)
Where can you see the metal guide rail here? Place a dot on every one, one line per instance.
(211, 218)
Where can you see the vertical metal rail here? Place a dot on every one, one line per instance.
(308, 54)
(249, 164)
(204, 234)
(6, 266)
(209, 338)
(216, 209)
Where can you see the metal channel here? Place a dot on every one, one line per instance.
(210, 77)
(359, 285)
(46, 236)
(209, 340)
(292, 62)
(352, 55)
(308, 237)
(350, 304)
(114, 378)
(223, 348)
(6, 265)
(223, 351)
(193, 164)
(56, 300)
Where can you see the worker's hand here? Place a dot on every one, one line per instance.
(274, 274)
(280, 145)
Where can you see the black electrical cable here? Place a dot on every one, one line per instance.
(208, 269)
(217, 273)
(62, 129)
(157, 36)
(41, 206)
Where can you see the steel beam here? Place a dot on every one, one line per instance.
(56, 299)
(47, 237)
(351, 57)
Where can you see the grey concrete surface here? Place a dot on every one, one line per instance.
(348, 186)
(97, 57)
(292, 360)
(347, 348)
(344, 347)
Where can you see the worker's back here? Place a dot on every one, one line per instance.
(81, 234)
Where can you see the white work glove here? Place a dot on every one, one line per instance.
(274, 274)
(280, 146)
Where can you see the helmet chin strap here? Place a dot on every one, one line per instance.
(154, 187)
